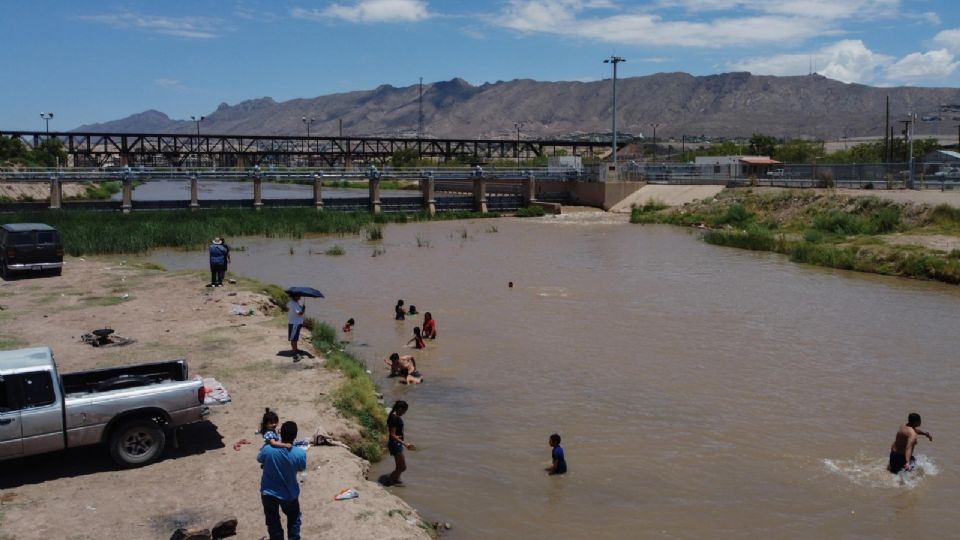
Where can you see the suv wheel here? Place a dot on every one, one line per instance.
(137, 443)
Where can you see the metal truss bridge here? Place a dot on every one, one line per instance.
(178, 150)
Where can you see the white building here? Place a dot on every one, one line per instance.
(736, 166)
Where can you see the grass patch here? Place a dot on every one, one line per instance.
(374, 233)
(754, 237)
(11, 342)
(356, 398)
(335, 251)
(530, 211)
(422, 242)
(103, 300)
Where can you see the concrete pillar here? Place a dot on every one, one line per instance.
(127, 204)
(480, 194)
(257, 192)
(374, 194)
(428, 185)
(56, 193)
(528, 189)
(194, 191)
(317, 192)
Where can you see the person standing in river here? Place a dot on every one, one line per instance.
(395, 443)
(219, 257)
(429, 326)
(901, 451)
(399, 313)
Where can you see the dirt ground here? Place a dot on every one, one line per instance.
(39, 191)
(80, 494)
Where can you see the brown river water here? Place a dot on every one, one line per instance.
(701, 391)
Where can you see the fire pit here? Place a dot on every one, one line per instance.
(105, 337)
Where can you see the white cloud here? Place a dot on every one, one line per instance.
(948, 39)
(369, 11)
(646, 26)
(168, 83)
(818, 9)
(923, 66)
(187, 27)
(847, 60)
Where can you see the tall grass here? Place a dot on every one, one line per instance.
(335, 251)
(356, 398)
(92, 232)
(531, 211)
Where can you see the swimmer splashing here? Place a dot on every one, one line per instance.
(901, 451)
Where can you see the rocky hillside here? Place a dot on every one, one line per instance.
(729, 104)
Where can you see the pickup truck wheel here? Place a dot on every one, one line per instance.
(137, 442)
(4, 273)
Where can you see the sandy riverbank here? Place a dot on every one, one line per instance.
(39, 191)
(80, 494)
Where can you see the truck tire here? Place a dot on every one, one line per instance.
(137, 442)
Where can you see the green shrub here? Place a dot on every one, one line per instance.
(945, 215)
(735, 215)
(323, 336)
(885, 220)
(754, 237)
(374, 233)
(336, 250)
(840, 223)
(531, 211)
(813, 236)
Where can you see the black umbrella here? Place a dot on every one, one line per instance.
(308, 292)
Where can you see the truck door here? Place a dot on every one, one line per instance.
(41, 419)
(11, 442)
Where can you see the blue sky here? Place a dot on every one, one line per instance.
(97, 61)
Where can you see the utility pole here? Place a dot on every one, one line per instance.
(958, 137)
(614, 60)
(46, 118)
(307, 122)
(518, 125)
(683, 148)
(420, 113)
(886, 140)
(654, 126)
(913, 121)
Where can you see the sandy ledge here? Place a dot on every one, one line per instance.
(79, 494)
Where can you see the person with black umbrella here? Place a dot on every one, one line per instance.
(295, 311)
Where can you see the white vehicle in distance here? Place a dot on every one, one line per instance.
(775, 173)
(948, 172)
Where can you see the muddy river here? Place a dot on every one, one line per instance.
(700, 391)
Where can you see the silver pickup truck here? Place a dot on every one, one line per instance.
(132, 409)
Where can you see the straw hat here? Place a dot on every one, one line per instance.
(218, 241)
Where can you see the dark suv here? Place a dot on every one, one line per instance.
(30, 247)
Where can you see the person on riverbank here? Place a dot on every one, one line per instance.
(295, 311)
(219, 257)
(417, 339)
(404, 366)
(348, 327)
(395, 442)
(429, 326)
(268, 428)
(399, 313)
(279, 489)
(901, 451)
(559, 463)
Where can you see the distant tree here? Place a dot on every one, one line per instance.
(48, 153)
(12, 151)
(875, 152)
(762, 145)
(408, 157)
(799, 151)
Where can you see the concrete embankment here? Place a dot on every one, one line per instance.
(669, 195)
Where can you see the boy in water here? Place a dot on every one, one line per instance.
(559, 465)
(901, 451)
(349, 326)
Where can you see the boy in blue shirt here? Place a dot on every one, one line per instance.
(559, 463)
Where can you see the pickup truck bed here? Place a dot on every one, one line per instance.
(100, 380)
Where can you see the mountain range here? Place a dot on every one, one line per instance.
(724, 105)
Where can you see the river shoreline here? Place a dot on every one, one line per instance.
(904, 234)
(213, 474)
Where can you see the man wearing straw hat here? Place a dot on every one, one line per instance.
(219, 257)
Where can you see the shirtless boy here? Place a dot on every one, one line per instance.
(404, 366)
(901, 451)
